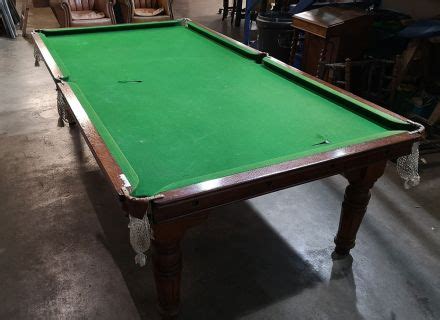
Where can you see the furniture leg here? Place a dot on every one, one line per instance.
(294, 47)
(167, 262)
(321, 61)
(354, 206)
(238, 10)
(24, 17)
(347, 74)
(234, 6)
(167, 265)
(170, 3)
(247, 21)
(331, 76)
(225, 9)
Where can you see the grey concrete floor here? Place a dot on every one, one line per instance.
(65, 253)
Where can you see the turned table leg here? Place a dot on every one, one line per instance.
(167, 265)
(354, 206)
(167, 262)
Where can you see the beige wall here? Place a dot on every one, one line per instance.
(418, 9)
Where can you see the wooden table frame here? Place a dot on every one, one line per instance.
(175, 211)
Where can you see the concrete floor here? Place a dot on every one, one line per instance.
(65, 253)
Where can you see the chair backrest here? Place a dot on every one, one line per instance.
(145, 4)
(81, 5)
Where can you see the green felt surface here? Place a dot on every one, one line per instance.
(176, 107)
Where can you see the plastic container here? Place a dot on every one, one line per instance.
(275, 34)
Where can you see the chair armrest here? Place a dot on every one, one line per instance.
(106, 6)
(66, 12)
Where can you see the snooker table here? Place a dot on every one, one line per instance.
(182, 119)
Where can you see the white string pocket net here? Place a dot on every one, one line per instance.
(408, 167)
(140, 235)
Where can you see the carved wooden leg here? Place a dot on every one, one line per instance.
(167, 262)
(321, 62)
(354, 206)
(293, 47)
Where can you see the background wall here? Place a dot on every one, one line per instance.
(420, 9)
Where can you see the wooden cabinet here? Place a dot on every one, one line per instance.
(331, 34)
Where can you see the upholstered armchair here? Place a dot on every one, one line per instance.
(145, 10)
(83, 13)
